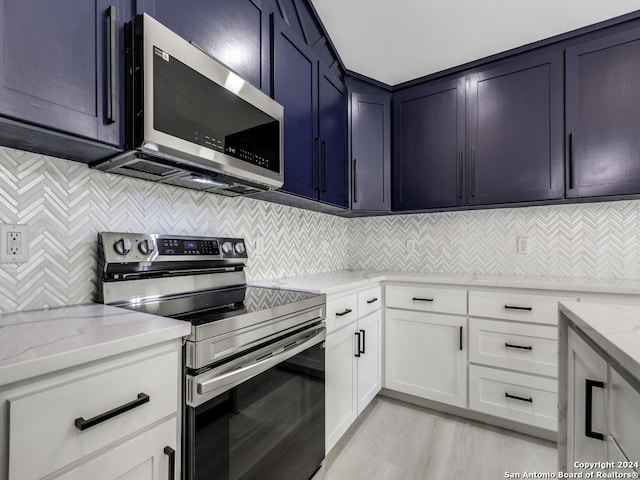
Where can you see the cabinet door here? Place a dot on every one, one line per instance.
(341, 398)
(602, 116)
(424, 355)
(55, 65)
(429, 143)
(586, 402)
(369, 361)
(145, 457)
(236, 33)
(295, 87)
(515, 131)
(332, 120)
(370, 152)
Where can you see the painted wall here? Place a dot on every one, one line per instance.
(65, 204)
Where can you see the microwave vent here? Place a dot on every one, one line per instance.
(151, 168)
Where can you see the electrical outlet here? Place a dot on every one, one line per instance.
(14, 243)
(411, 246)
(259, 246)
(523, 246)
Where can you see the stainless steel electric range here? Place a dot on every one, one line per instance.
(254, 363)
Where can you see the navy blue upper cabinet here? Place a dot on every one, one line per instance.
(315, 120)
(429, 144)
(234, 32)
(515, 149)
(56, 68)
(333, 129)
(603, 115)
(295, 87)
(371, 151)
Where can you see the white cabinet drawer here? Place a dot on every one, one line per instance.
(516, 306)
(43, 436)
(515, 396)
(525, 347)
(428, 299)
(341, 311)
(369, 300)
(625, 416)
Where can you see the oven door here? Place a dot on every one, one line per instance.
(260, 416)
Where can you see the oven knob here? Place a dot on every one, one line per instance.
(227, 248)
(122, 246)
(239, 248)
(145, 247)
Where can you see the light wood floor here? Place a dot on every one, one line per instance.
(394, 440)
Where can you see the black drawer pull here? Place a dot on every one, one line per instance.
(82, 424)
(588, 424)
(522, 399)
(513, 307)
(521, 347)
(171, 453)
(342, 314)
(373, 300)
(418, 299)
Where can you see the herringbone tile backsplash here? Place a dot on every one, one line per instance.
(65, 204)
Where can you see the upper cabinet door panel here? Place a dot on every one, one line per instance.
(429, 144)
(54, 65)
(515, 131)
(332, 118)
(371, 151)
(295, 87)
(236, 33)
(602, 115)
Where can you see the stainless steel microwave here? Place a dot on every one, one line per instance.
(192, 122)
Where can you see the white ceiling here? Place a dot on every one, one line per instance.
(399, 40)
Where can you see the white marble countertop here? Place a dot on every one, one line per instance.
(336, 282)
(37, 342)
(614, 328)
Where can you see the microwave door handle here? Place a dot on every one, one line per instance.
(225, 382)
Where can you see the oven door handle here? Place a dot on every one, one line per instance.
(221, 383)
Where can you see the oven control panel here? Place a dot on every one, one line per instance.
(114, 247)
(180, 246)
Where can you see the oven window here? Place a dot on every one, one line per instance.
(269, 427)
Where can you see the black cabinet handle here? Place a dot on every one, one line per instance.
(324, 166)
(112, 106)
(341, 314)
(419, 299)
(509, 345)
(570, 161)
(355, 180)
(317, 182)
(373, 300)
(460, 187)
(460, 338)
(364, 342)
(171, 453)
(82, 424)
(513, 307)
(522, 399)
(473, 173)
(357, 334)
(588, 425)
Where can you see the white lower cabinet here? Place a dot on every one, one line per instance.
(353, 359)
(148, 456)
(425, 355)
(603, 419)
(108, 420)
